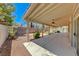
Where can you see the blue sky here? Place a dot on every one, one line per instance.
(21, 8)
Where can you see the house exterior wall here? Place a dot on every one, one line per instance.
(75, 29)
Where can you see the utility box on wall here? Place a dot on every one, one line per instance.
(3, 34)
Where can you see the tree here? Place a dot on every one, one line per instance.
(6, 11)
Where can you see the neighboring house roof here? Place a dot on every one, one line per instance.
(31, 30)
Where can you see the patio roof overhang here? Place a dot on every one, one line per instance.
(45, 13)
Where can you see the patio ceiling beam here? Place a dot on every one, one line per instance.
(58, 20)
(43, 10)
(41, 22)
(55, 14)
(33, 7)
(75, 9)
(62, 17)
(30, 10)
(48, 11)
(49, 24)
(37, 10)
(43, 13)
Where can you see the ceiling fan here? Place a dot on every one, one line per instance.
(53, 23)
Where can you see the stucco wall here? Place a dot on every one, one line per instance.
(76, 29)
(3, 34)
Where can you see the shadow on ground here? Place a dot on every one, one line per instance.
(5, 50)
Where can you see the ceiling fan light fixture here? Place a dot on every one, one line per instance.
(53, 22)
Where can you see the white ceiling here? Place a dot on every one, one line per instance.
(44, 13)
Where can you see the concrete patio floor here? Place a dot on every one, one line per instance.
(36, 50)
(58, 44)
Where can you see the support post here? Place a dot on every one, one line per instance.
(42, 31)
(49, 30)
(28, 39)
(71, 31)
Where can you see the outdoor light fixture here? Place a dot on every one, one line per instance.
(53, 22)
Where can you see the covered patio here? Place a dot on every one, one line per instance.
(54, 16)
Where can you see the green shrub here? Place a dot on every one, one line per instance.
(37, 35)
(12, 32)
